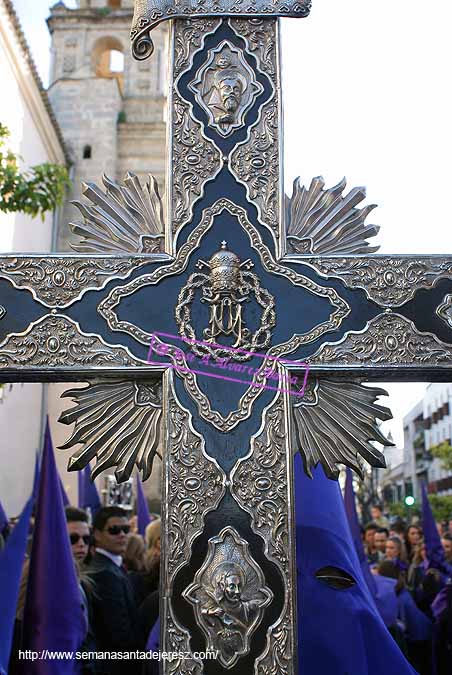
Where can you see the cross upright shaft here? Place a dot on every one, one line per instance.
(225, 165)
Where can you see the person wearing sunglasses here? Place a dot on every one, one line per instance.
(80, 538)
(79, 534)
(114, 605)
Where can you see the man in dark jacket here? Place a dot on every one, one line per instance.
(114, 609)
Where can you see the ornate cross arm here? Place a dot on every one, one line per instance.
(381, 316)
(149, 13)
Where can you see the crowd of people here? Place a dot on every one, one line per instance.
(118, 575)
(422, 621)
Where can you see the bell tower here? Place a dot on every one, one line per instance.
(111, 108)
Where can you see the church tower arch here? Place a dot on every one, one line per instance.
(105, 61)
(108, 59)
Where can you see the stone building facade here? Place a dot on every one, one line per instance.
(111, 108)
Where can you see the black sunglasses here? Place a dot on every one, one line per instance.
(117, 529)
(74, 537)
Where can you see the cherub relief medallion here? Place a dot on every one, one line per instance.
(229, 596)
(226, 88)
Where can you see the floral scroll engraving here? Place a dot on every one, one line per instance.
(388, 281)
(256, 164)
(195, 160)
(195, 485)
(388, 339)
(59, 282)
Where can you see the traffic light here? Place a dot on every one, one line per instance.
(409, 500)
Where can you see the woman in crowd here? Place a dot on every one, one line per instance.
(417, 567)
(148, 609)
(423, 582)
(413, 537)
(152, 554)
(134, 555)
(395, 552)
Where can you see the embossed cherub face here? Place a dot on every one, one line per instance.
(231, 90)
(232, 588)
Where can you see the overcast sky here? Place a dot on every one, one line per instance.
(367, 96)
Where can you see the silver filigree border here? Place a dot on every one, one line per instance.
(13, 349)
(219, 481)
(172, 632)
(176, 639)
(277, 231)
(50, 274)
(389, 281)
(376, 346)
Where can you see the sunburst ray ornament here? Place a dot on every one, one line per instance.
(336, 423)
(118, 424)
(325, 221)
(126, 218)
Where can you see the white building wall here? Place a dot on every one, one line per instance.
(20, 431)
(33, 137)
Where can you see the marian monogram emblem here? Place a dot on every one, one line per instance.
(226, 288)
(226, 88)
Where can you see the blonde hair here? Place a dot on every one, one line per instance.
(134, 555)
(417, 552)
(152, 533)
